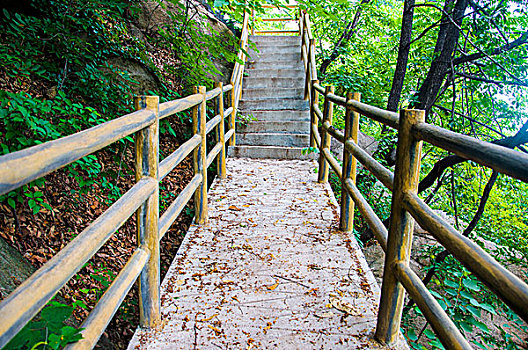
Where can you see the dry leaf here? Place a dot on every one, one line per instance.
(217, 331)
(344, 306)
(232, 207)
(272, 287)
(208, 318)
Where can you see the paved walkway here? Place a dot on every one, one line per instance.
(269, 270)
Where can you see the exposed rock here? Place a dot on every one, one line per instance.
(137, 71)
(368, 143)
(14, 269)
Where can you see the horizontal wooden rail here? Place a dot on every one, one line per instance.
(502, 159)
(406, 203)
(508, 287)
(174, 210)
(175, 158)
(27, 300)
(448, 333)
(211, 124)
(172, 107)
(102, 314)
(276, 31)
(209, 95)
(374, 222)
(333, 162)
(284, 19)
(212, 155)
(20, 168)
(384, 175)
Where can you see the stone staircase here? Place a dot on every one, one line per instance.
(273, 94)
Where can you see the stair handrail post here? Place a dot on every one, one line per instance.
(349, 163)
(308, 75)
(199, 157)
(301, 24)
(314, 121)
(326, 139)
(406, 178)
(147, 216)
(220, 132)
(231, 123)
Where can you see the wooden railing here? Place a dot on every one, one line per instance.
(270, 19)
(22, 167)
(406, 205)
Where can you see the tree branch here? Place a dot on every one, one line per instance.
(492, 81)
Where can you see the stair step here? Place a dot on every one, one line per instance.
(274, 104)
(272, 57)
(277, 73)
(276, 39)
(261, 93)
(273, 139)
(281, 115)
(270, 152)
(274, 65)
(292, 127)
(295, 83)
(273, 49)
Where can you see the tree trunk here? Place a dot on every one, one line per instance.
(403, 56)
(445, 47)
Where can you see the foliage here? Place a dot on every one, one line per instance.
(49, 331)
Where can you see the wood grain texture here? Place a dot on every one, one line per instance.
(508, 287)
(199, 159)
(213, 153)
(22, 167)
(406, 177)
(98, 319)
(213, 93)
(147, 215)
(446, 330)
(346, 222)
(333, 162)
(502, 159)
(172, 107)
(176, 207)
(33, 294)
(220, 134)
(212, 123)
(328, 112)
(314, 117)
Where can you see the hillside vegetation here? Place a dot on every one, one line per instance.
(67, 66)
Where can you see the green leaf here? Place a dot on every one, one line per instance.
(412, 335)
(451, 284)
(466, 327)
(481, 326)
(11, 203)
(471, 284)
(429, 334)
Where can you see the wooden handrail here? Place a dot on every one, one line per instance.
(22, 167)
(405, 202)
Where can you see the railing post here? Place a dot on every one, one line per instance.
(220, 133)
(349, 164)
(308, 76)
(406, 176)
(147, 216)
(314, 122)
(326, 140)
(199, 158)
(231, 121)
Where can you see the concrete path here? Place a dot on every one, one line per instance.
(269, 270)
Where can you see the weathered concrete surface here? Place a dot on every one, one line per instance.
(269, 270)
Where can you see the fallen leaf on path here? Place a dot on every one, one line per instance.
(344, 306)
(273, 286)
(232, 207)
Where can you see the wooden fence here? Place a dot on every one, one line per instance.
(22, 167)
(406, 205)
